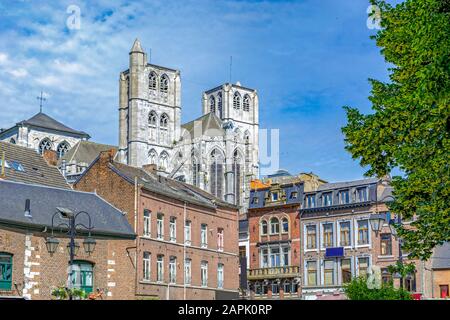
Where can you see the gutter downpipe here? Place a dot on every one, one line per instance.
(135, 231)
(184, 252)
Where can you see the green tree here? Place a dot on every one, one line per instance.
(410, 124)
(357, 290)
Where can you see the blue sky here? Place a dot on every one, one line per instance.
(306, 58)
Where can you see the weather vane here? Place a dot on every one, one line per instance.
(41, 99)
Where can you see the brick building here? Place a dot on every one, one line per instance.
(27, 269)
(273, 217)
(187, 244)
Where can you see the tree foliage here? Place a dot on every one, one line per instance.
(357, 290)
(410, 124)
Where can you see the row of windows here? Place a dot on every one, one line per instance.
(162, 160)
(274, 224)
(163, 82)
(334, 272)
(159, 133)
(275, 256)
(339, 234)
(361, 195)
(46, 144)
(289, 287)
(172, 267)
(173, 230)
(213, 104)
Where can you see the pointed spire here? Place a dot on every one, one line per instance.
(137, 46)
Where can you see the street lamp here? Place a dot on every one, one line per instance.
(377, 221)
(89, 243)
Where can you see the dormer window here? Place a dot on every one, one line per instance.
(294, 195)
(327, 199)
(255, 200)
(344, 197)
(274, 196)
(310, 201)
(362, 194)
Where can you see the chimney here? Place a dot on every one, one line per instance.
(150, 168)
(50, 157)
(107, 156)
(28, 209)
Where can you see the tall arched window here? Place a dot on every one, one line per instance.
(153, 157)
(285, 225)
(212, 104)
(164, 129)
(274, 226)
(164, 161)
(246, 106)
(164, 84)
(236, 101)
(152, 81)
(236, 168)
(195, 170)
(264, 230)
(62, 149)
(219, 104)
(45, 144)
(152, 123)
(216, 174)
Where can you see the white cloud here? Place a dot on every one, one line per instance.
(3, 58)
(18, 73)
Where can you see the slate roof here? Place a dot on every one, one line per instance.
(85, 152)
(36, 169)
(108, 222)
(346, 184)
(168, 187)
(41, 120)
(441, 257)
(211, 125)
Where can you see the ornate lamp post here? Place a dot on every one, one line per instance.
(73, 247)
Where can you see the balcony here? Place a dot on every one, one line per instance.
(273, 273)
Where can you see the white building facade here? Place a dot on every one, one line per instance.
(217, 152)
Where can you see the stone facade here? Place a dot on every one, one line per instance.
(150, 130)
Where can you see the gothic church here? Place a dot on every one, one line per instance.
(217, 152)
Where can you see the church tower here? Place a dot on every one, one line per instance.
(237, 106)
(149, 112)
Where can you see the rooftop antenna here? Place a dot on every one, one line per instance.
(41, 99)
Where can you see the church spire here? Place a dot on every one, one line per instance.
(137, 47)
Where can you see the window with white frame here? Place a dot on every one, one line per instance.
(311, 273)
(173, 229)
(160, 268)
(311, 237)
(327, 199)
(220, 274)
(264, 258)
(264, 227)
(204, 235)
(285, 260)
(160, 226)
(328, 272)
(327, 229)
(187, 271)
(146, 265)
(275, 288)
(274, 226)
(147, 223)
(346, 270)
(363, 232)
(344, 197)
(173, 269)
(362, 194)
(310, 201)
(204, 273)
(275, 260)
(285, 225)
(344, 234)
(187, 232)
(220, 239)
(363, 266)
